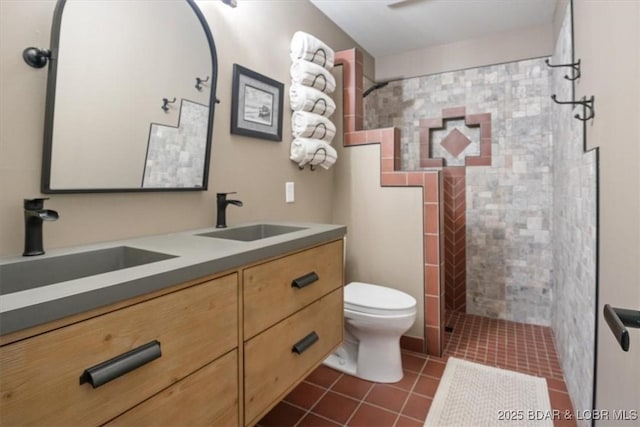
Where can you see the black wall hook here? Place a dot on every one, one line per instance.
(36, 57)
(324, 56)
(324, 80)
(321, 126)
(199, 82)
(323, 103)
(311, 165)
(166, 102)
(575, 66)
(587, 104)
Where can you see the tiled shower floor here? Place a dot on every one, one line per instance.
(330, 398)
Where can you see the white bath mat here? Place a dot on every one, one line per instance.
(470, 394)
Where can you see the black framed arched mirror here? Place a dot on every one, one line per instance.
(130, 97)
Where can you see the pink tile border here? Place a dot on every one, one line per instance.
(392, 176)
(454, 208)
(454, 278)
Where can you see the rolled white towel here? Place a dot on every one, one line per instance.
(313, 151)
(307, 47)
(311, 125)
(304, 98)
(313, 75)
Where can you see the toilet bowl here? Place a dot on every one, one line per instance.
(375, 317)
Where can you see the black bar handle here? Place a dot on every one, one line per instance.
(111, 369)
(617, 319)
(305, 280)
(306, 342)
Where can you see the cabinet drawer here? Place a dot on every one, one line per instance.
(41, 375)
(269, 295)
(208, 397)
(272, 367)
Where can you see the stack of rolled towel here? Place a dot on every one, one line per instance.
(311, 82)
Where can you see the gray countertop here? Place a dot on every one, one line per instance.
(195, 257)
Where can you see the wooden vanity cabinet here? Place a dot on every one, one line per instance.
(208, 397)
(231, 348)
(293, 319)
(268, 291)
(273, 367)
(40, 376)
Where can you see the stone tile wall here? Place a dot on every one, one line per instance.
(175, 155)
(508, 212)
(574, 236)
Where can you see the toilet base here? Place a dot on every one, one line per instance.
(387, 369)
(344, 360)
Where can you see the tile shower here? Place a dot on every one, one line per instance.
(519, 234)
(574, 236)
(508, 216)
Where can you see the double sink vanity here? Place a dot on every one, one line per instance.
(206, 327)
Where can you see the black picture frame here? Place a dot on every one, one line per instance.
(256, 105)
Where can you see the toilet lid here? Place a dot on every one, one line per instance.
(374, 299)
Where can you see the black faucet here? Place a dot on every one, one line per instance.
(34, 214)
(222, 201)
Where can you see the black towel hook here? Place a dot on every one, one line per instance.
(311, 165)
(324, 80)
(166, 102)
(575, 66)
(199, 82)
(586, 104)
(319, 126)
(324, 104)
(324, 55)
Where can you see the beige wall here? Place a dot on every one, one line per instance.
(384, 241)
(255, 35)
(558, 18)
(607, 40)
(384, 225)
(492, 49)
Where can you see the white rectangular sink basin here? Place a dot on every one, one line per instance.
(249, 233)
(36, 272)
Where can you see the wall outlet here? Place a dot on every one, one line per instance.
(289, 192)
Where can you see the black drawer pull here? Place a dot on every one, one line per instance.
(306, 342)
(104, 372)
(305, 280)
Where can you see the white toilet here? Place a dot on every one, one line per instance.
(375, 318)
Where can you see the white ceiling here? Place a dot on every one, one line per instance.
(386, 27)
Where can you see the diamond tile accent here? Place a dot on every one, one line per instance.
(455, 142)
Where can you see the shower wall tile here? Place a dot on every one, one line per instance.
(454, 207)
(574, 237)
(509, 187)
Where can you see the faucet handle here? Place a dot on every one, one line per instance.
(37, 203)
(223, 196)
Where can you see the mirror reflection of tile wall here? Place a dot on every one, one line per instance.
(176, 155)
(117, 62)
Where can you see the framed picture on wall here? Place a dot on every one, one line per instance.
(256, 105)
